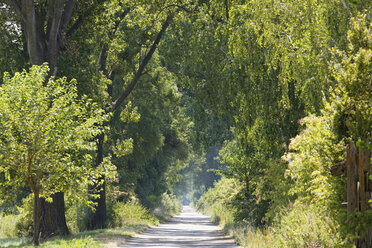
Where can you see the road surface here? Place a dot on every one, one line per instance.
(190, 229)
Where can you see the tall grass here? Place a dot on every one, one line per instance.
(250, 237)
(168, 207)
(301, 226)
(132, 213)
(307, 226)
(8, 225)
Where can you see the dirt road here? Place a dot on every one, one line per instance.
(190, 229)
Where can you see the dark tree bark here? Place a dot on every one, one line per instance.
(44, 29)
(98, 219)
(53, 220)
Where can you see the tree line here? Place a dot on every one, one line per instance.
(133, 93)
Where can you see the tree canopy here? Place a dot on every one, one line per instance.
(46, 134)
(262, 96)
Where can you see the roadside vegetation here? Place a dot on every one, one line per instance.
(127, 220)
(294, 201)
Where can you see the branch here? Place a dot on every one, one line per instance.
(102, 59)
(118, 21)
(55, 15)
(142, 66)
(33, 45)
(80, 20)
(66, 17)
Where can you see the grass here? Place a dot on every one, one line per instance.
(89, 239)
(249, 237)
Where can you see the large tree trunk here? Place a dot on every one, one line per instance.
(52, 216)
(98, 219)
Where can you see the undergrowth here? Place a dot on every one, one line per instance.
(128, 219)
(298, 226)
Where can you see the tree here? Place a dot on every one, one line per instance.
(46, 136)
(49, 32)
(98, 218)
(42, 28)
(352, 72)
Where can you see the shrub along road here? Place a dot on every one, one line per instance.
(190, 229)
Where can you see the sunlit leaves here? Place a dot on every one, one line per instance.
(352, 70)
(46, 132)
(313, 152)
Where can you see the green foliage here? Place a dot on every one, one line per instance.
(236, 74)
(46, 133)
(352, 71)
(313, 153)
(86, 242)
(355, 224)
(244, 159)
(306, 226)
(169, 206)
(131, 213)
(24, 224)
(160, 137)
(7, 226)
(11, 43)
(76, 212)
(249, 237)
(219, 201)
(47, 137)
(18, 223)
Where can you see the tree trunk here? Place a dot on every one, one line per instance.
(52, 216)
(98, 218)
(31, 32)
(36, 218)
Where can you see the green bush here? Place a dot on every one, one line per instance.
(170, 205)
(24, 224)
(8, 225)
(302, 226)
(132, 213)
(76, 216)
(17, 223)
(306, 226)
(218, 200)
(250, 237)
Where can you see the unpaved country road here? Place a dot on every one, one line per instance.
(190, 229)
